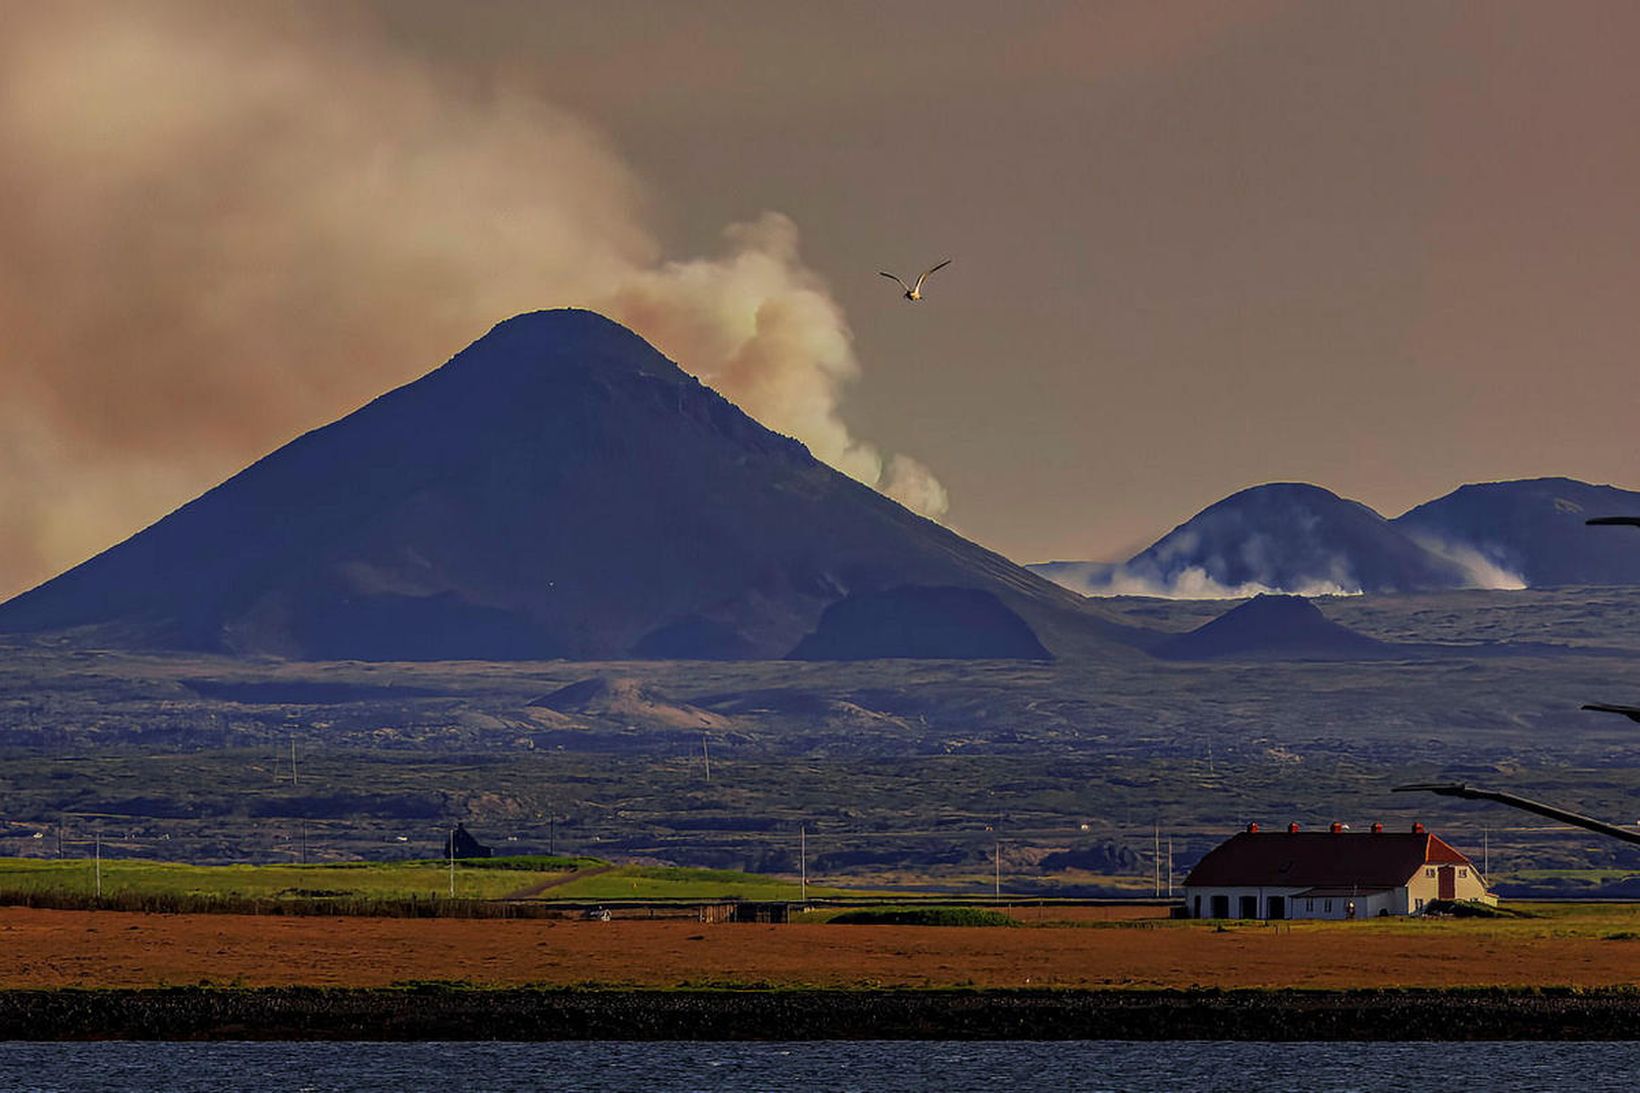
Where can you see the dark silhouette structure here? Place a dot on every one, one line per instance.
(1525, 804)
(460, 844)
(1630, 712)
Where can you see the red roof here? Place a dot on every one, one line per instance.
(1320, 859)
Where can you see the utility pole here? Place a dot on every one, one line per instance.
(706, 753)
(99, 865)
(1156, 860)
(996, 854)
(1170, 867)
(304, 844)
(452, 863)
(1486, 852)
(552, 833)
(803, 862)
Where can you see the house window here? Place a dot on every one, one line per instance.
(1420, 906)
(1309, 905)
(1328, 906)
(1429, 872)
(1463, 872)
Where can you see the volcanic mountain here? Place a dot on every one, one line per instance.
(558, 489)
(1533, 530)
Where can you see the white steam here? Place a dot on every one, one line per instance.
(1189, 583)
(1482, 570)
(760, 327)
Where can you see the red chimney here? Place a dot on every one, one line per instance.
(1377, 828)
(1417, 829)
(1252, 829)
(1292, 828)
(1337, 828)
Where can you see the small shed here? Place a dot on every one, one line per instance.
(1333, 874)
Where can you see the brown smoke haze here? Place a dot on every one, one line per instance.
(218, 232)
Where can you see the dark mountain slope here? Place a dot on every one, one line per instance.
(558, 489)
(1534, 529)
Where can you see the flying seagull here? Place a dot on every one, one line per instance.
(914, 292)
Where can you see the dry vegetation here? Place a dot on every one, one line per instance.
(1586, 946)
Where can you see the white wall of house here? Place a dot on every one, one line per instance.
(1394, 901)
(1234, 897)
(1369, 905)
(1421, 889)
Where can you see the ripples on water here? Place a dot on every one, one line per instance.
(873, 1066)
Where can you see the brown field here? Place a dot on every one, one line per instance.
(101, 948)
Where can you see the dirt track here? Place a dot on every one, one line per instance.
(84, 948)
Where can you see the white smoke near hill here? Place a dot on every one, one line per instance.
(1189, 583)
(227, 224)
(759, 326)
(1483, 571)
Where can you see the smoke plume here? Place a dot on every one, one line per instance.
(223, 225)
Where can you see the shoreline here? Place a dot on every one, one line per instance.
(456, 1012)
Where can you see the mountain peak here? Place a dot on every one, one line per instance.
(558, 489)
(567, 337)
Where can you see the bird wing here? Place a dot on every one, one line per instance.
(1630, 712)
(891, 277)
(1631, 521)
(926, 272)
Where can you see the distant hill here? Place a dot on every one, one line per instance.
(558, 489)
(1534, 530)
(1273, 627)
(626, 700)
(922, 623)
(1287, 537)
(1302, 539)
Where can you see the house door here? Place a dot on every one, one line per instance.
(1221, 906)
(1447, 881)
(1249, 906)
(1276, 906)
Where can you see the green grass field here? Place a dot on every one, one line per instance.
(660, 882)
(359, 880)
(578, 879)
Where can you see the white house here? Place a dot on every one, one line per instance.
(1329, 874)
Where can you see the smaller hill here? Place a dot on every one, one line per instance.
(1274, 628)
(1287, 537)
(924, 623)
(1533, 532)
(626, 700)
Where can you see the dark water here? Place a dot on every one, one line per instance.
(1092, 1065)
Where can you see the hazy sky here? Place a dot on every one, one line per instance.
(1384, 247)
